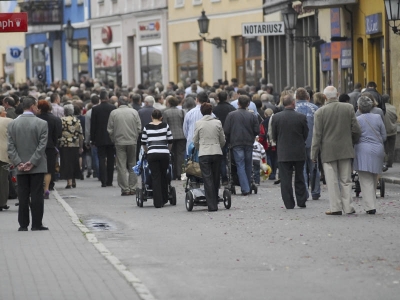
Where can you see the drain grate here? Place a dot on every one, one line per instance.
(98, 224)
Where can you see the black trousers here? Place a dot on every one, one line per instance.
(30, 186)
(106, 163)
(178, 151)
(158, 164)
(210, 166)
(285, 175)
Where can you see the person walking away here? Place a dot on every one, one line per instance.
(4, 160)
(93, 163)
(290, 131)
(54, 128)
(308, 109)
(101, 139)
(209, 138)
(258, 155)
(157, 142)
(175, 117)
(355, 94)
(27, 140)
(124, 127)
(240, 128)
(371, 88)
(369, 152)
(335, 131)
(391, 131)
(145, 118)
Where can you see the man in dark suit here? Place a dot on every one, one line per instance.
(101, 139)
(27, 140)
(290, 131)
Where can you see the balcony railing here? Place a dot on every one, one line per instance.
(43, 12)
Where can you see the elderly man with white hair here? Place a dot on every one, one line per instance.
(335, 131)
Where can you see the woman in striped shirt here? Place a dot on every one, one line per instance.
(157, 143)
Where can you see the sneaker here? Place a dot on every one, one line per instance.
(46, 195)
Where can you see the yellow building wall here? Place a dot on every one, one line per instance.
(365, 51)
(226, 18)
(395, 73)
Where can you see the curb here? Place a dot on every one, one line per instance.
(133, 280)
(393, 180)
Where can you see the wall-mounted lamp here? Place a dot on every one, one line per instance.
(364, 65)
(69, 33)
(203, 22)
(393, 14)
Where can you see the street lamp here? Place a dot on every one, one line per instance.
(203, 22)
(393, 14)
(69, 34)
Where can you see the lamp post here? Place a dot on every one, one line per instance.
(393, 14)
(69, 34)
(203, 22)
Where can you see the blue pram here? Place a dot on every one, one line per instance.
(146, 192)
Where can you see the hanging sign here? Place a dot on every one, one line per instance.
(262, 29)
(13, 22)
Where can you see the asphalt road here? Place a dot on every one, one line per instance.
(255, 250)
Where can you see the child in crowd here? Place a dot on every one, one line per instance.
(258, 155)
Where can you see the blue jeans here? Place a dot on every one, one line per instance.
(308, 176)
(95, 161)
(243, 156)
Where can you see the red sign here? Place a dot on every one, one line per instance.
(13, 22)
(106, 35)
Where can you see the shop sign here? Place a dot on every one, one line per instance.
(13, 22)
(327, 3)
(335, 22)
(263, 29)
(373, 24)
(15, 54)
(149, 30)
(106, 34)
(335, 50)
(345, 55)
(326, 57)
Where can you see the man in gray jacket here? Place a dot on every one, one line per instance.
(240, 128)
(124, 127)
(27, 140)
(336, 129)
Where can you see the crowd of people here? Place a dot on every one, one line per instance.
(94, 127)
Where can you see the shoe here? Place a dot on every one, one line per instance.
(210, 210)
(46, 195)
(384, 168)
(133, 192)
(271, 178)
(277, 181)
(23, 229)
(302, 206)
(109, 184)
(88, 174)
(73, 183)
(103, 185)
(371, 212)
(68, 186)
(353, 212)
(333, 213)
(39, 228)
(125, 193)
(245, 194)
(315, 197)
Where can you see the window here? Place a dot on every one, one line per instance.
(248, 60)
(190, 60)
(179, 3)
(151, 64)
(197, 2)
(80, 60)
(107, 65)
(38, 61)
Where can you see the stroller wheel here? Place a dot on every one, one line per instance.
(172, 200)
(139, 197)
(227, 199)
(382, 187)
(255, 189)
(189, 201)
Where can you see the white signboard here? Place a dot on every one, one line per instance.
(15, 54)
(262, 29)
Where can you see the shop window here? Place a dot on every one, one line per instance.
(151, 64)
(80, 60)
(248, 60)
(39, 61)
(190, 60)
(107, 65)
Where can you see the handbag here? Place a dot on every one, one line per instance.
(193, 169)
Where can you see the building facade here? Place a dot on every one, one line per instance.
(129, 41)
(191, 57)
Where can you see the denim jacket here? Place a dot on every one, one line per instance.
(308, 109)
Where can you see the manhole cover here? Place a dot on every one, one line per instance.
(98, 225)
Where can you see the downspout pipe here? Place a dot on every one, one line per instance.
(352, 42)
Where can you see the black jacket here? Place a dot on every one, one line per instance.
(55, 128)
(98, 124)
(241, 127)
(222, 110)
(378, 98)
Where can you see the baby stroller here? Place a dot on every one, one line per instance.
(233, 178)
(195, 195)
(357, 188)
(146, 192)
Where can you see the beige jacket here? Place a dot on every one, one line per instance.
(3, 139)
(336, 129)
(209, 136)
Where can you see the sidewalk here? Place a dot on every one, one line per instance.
(55, 264)
(393, 174)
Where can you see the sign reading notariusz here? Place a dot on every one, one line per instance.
(261, 29)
